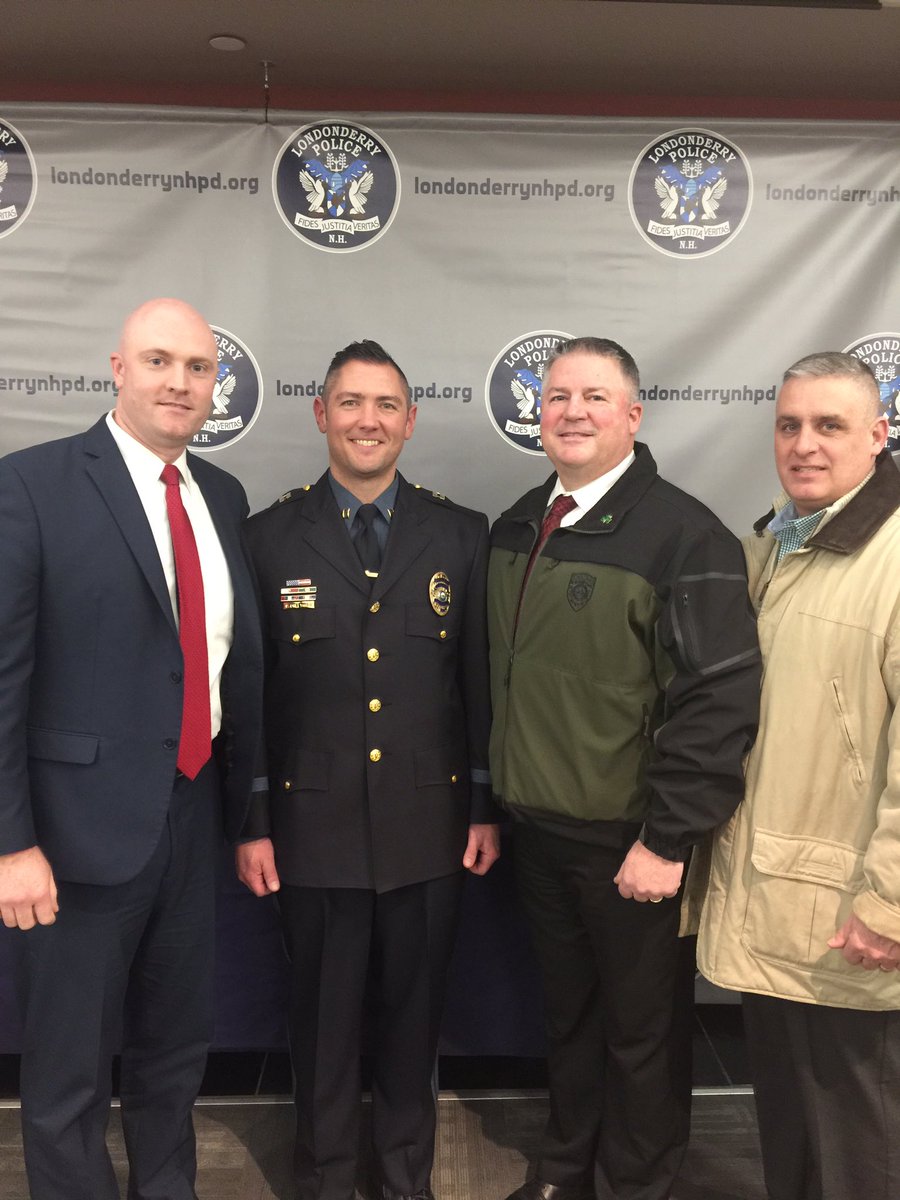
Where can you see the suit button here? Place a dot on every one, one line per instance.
(375, 607)
(442, 634)
(454, 779)
(170, 744)
(175, 677)
(296, 637)
(372, 655)
(287, 785)
(375, 705)
(375, 755)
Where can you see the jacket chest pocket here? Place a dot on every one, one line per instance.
(297, 626)
(422, 622)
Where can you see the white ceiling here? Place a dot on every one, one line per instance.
(537, 53)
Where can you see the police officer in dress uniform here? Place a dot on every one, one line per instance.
(377, 716)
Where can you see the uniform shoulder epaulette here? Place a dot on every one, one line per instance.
(444, 501)
(293, 494)
(420, 487)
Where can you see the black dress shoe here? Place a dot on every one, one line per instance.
(536, 1189)
(423, 1194)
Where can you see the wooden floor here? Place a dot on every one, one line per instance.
(483, 1147)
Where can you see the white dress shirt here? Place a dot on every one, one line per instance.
(145, 469)
(592, 493)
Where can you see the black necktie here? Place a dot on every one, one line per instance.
(365, 539)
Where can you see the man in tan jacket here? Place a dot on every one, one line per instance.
(802, 913)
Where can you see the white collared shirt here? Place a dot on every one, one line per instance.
(592, 493)
(145, 469)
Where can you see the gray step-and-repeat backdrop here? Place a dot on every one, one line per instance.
(717, 252)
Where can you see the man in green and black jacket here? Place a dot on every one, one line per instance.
(625, 683)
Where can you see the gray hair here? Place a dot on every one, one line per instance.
(830, 364)
(602, 348)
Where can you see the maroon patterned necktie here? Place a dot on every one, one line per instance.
(558, 509)
(194, 747)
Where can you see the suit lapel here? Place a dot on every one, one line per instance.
(106, 468)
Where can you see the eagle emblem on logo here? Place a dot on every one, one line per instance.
(337, 187)
(224, 386)
(691, 192)
(526, 389)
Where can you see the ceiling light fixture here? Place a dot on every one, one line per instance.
(227, 41)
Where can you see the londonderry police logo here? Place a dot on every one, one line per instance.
(690, 192)
(18, 179)
(336, 185)
(882, 352)
(237, 396)
(512, 391)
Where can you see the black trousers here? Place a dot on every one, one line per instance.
(130, 966)
(400, 942)
(827, 1083)
(618, 997)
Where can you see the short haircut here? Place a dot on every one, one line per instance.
(365, 351)
(602, 348)
(830, 364)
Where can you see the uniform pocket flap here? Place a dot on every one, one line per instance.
(805, 858)
(425, 622)
(311, 772)
(301, 625)
(59, 746)
(442, 765)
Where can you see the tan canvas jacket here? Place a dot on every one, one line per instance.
(818, 833)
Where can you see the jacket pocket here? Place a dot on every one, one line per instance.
(800, 892)
(301, 625)
(56, 745)
(845, 725)
(309, 771)
(444, 766)
(424, 622)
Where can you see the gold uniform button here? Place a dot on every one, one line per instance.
(375, 705)
(375, 607)
(375, 755)
(372, 655)
(442, 634)
(296, 637)
(454, 778)
(287, 785)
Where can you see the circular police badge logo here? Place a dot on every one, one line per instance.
(18, 179)
(237, 395)
(882, 352)
(512, 391)
(689, 192)
(336, 185)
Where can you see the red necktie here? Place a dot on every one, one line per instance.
(558, 509)
(194, 747)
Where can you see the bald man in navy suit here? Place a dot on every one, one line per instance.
(109, 839)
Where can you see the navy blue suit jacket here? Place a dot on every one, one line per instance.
(90, 662)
